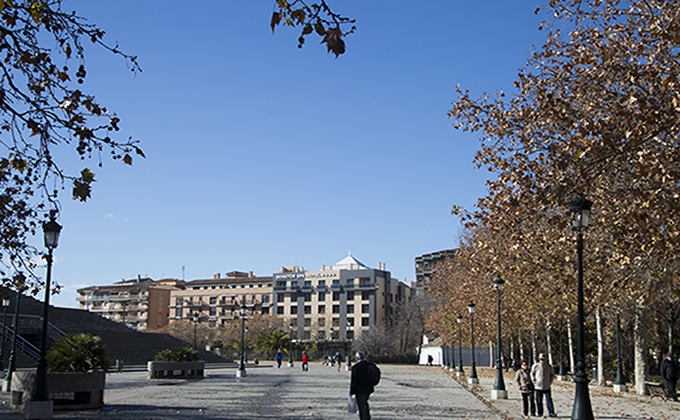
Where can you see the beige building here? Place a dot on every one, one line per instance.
(141, 303)
(219, 299)
(338, 302)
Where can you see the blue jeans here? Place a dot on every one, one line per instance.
(548, 401)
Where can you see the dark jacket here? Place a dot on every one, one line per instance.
(523, 379)
(669, 369)
(360, 382)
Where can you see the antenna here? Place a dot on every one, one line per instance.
(182, 272)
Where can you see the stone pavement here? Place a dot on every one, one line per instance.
(407, 392)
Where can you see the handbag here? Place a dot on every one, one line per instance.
(352, 404)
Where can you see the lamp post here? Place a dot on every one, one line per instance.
(40, 404)
(461, 372)
(241, 372)
(582, 410)
(5, 305)
(473, 368)
(499, 392)
(245, 358)
(290, 345)
(195, 317)
(349, 355)
(620, 385)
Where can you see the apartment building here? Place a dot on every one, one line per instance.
(219, 299)
(140, 303)
(337, 302)
(426, 266)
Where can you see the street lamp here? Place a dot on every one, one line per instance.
(461, 372)
(41, 398)
(349, 355)
(620, 385)
(5, 305)
(196, 318)
(499, 392)
(473, 368)
(241, 372)
(582, 410)
(290, 345)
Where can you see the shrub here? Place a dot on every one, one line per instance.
(177, 354)
(79, 352)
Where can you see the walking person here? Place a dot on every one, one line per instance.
(669, 371)
(526, 388)
(305, 361)
(361, 384)
(338, 360)
(542, 375)
(279, 358)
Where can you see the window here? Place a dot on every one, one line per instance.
(322, 296)
(308, 310)
(365, 308)
(365, 295)
(321, 309)
(350, 282)
(350, 295)
(336, 295)
(213, 311)
(322, 283)
(307, 322)
(336, 309)
(279, 310)
(322, 322)
(293, 310)
(293, 297)
(178, 313)
(213, 300)
(350, 309)
(350, 322)
(179, 301)
(280, 298)
(265, 298)
(350, 335)
(336, 282)
(308, 283)
(307, 297)
(365, 322)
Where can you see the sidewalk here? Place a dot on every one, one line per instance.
(405, 392)
(605, 402)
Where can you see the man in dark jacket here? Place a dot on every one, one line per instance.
(361, 385)
(669, 371)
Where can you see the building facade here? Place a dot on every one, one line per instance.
(141, 303)
(219, 299)
(426, 265)
(338, 302)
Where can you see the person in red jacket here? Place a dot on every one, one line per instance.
(305, 361)
(361, 385)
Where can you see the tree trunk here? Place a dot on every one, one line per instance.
(570, 339)
(548, 343)
(534, 355)
(640, 345)
(600, 347)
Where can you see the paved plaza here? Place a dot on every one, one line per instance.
(407, 392)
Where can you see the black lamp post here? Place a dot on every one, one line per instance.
(473, 365)
(241, 372)
(349, 355)
(620, 385)
(460, 372)
(582, 410)
(5, 305)
(499, 391)
(290, 345)
(195, 317)
(51, 232)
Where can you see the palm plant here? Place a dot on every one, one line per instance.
(79, 352)
(271, 339)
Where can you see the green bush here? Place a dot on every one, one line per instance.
(177, 354)
(78, 353)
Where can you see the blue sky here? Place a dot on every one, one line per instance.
(262, 155)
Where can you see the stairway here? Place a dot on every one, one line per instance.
(122, 343)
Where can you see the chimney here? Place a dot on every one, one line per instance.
(217, 276)
(250, 274)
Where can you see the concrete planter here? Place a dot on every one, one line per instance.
(68, 390)
(176, 370)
